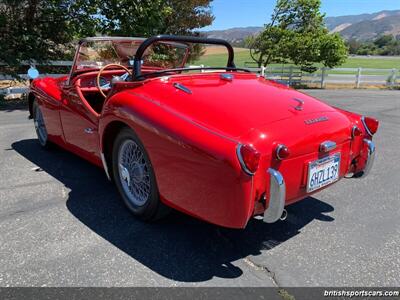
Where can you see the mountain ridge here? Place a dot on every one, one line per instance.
(361, 27)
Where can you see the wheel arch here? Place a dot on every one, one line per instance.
(108, 136)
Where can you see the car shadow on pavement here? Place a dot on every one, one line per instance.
(178, 247)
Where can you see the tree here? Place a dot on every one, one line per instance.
(42, 30)
(384, 40)
(353, 45)
(382, 45)
(152, 17)
(297, 34)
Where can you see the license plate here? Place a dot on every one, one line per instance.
(323, 172)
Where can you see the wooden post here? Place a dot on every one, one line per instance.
(358, 78)
(323, 73)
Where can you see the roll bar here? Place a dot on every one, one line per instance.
(137, 65)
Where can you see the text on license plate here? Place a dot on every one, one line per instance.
(323, 172)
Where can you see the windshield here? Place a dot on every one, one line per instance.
(95, 54)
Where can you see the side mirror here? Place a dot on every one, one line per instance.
(33, 73)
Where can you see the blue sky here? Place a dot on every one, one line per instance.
(243, 13)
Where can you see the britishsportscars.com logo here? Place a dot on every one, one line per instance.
(361, 293)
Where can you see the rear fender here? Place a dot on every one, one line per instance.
(197, 170)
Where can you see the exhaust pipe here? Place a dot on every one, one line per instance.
(284, 215)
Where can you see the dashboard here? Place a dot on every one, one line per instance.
(88, 82)
(91, 81)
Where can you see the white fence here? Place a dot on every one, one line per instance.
(290, 75)
(355, 77)
(23, 89)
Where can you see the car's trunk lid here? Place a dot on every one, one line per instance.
(302, 134)
(235, 107)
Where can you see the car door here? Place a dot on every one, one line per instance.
(80, 123)
(47, 92)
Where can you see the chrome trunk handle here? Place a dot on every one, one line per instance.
(327, 146)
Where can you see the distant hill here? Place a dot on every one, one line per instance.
(235, 36)
(361, 27)
(366, 26)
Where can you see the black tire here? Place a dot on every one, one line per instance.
(40, 125)
(152, 209)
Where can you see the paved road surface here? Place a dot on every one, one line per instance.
(62, 224)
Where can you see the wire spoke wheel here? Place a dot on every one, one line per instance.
(40, 126)
(134, 173)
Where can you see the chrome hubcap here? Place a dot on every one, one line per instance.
(134, 173)
(125, 175)
(40, 127)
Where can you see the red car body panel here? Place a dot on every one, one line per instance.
(191, 139)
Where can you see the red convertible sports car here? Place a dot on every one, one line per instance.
(219, 143)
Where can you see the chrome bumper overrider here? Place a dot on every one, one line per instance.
(277, 195)
(370, 157)
(369, 162)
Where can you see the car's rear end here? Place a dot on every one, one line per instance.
(301, 155)
(277, 145)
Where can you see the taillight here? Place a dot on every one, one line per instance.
(282, 152)
(248, 157)
(371, 125)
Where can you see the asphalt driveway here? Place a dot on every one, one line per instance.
(62, 223)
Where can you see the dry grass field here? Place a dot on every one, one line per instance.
(211, 50)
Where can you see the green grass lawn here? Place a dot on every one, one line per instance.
(352, 62)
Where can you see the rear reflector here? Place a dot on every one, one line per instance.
(356, 132)
(248, 157)
(282, 152)
(371, 125)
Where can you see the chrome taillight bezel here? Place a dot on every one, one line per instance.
(241, 160)
(367, 129)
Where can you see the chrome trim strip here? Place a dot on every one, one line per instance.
(370, 158)
(110, 38)
(365, 126)
(241, 161)
(277, 196)
(327, 146)
(182, 87)
(77, 49)
(103, 160)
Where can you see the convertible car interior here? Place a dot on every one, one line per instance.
(87, 88)
(97, 63)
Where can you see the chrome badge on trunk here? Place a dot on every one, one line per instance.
(316, 120)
